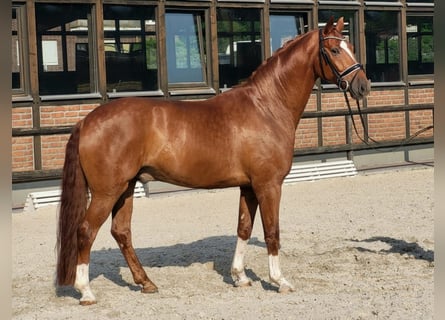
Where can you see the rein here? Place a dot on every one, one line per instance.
(343, 85)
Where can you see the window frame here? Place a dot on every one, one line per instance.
(92, 51)
(389, 7)
(205, 48)
(23, 92)
(126, 93)
(261, 38)
(292, 12)
(416, 79)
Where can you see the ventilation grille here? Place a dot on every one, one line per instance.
(40, 199)
(319, 171)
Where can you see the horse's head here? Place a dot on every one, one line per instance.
(338, 63)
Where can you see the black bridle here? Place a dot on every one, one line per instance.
(342, 84)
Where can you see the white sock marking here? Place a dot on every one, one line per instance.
(239, 276)
(82, 283)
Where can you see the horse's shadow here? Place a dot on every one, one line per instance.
(217, 250)
(399, 246)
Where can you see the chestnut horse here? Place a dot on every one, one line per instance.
(243, 137)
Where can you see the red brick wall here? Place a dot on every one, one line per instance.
(22, 147)
(63, 115)
(53, 147)
(381, 98)
(22, 154)
(306, 134)
(53, 151)
(422, 118)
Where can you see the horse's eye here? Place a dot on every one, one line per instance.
(335, 51)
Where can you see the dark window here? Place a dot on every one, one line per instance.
(239, 44)
(349, 17)
(286, 26)
(18, 47)
(419, 31)
(130, 48)
(382, 46)
(186, 48)
(63, 40)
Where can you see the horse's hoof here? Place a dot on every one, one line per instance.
(149, 288)
(243, 283)
(286, 288)
(87, 302)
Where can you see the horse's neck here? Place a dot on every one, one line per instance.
(286, 80)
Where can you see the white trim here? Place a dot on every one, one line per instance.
(71, 96)
(383, 3)
(342, 3)
(157, 93)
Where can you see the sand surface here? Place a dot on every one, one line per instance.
(354, 248)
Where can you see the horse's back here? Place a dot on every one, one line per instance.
(210, 143)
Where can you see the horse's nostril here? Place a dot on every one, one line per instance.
(364, 88)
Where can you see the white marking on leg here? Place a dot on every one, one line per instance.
(276, 276)
(82, 284)
(238, 273)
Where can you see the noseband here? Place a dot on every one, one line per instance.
(341, 82)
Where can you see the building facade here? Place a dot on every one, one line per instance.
(69, 57)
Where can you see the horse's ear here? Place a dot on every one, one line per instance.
(329, 26)
(340, 24)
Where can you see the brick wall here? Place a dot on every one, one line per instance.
(422, 118)
(22, 147)
(63, 115)
(52, 147)
(22, 154)
(306, 135)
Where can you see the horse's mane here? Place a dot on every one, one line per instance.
(279, 52)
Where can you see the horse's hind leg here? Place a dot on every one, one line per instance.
(97, 213)
(121, 231)
(247, 209)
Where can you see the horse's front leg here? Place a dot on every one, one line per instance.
(247, 208)
(269, 197)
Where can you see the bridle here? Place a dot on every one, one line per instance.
(342, 84)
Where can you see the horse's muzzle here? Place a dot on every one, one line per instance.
(360, 86)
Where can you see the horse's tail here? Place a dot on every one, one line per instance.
(74, 200)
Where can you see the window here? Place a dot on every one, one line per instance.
(349, 17)
(64, 49)
(130, 48)
(419, 31)
(286, 26)
(186, 48)
(382, 46)
(239, 44)
(18, 55)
